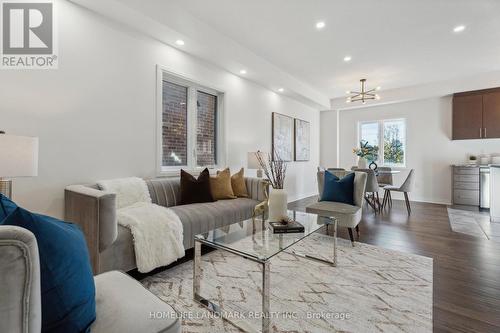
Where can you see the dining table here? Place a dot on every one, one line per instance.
(387, 172)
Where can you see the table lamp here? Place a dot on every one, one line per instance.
(18, 158)
(253, 161)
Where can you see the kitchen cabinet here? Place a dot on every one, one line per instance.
(467, 117)
(466, 185)
(476, 114)
(491, 115)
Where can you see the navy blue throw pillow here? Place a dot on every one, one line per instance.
(67, 283)
(7, 206)
(338, 190)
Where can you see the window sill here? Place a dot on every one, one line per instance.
(176, 172)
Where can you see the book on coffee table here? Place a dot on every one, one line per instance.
(287, 228)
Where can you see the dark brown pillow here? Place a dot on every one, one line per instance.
(195, 190)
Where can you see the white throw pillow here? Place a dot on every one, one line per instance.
(128, 190)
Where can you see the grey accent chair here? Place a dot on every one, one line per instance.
(335, 169)
(405, 188)
(122, 303)
(347, 215)
(372, 188)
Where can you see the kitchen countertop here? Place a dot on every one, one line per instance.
(476, 166)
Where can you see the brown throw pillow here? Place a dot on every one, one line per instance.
(195, 190)
(221, 185)
(239, 185)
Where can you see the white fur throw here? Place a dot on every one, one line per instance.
(157, 232)
(128, 190)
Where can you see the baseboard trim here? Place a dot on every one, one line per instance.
(437, 202)
(303, 196)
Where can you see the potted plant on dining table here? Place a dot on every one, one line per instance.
(366, 153)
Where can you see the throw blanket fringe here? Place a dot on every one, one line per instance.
(157, 233)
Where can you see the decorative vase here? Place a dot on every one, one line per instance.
(278, 205)
(373, 166)
(361, 163)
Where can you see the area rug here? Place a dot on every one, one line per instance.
(371, 290)
(473, 223)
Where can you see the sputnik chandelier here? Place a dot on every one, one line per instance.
(363, 95)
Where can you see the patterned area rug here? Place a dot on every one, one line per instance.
(371, 290)
(474, 223)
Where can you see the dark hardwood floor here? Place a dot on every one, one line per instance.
(466, 293)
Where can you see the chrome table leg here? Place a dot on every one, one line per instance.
(334, 243)
(196, 268)
(266, 320)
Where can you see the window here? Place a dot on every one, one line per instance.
(392, 132)
(369, 131)
(174, 124)
(190, 117)
(206, 129)
(394, 142)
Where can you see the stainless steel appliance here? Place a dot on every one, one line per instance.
(484, 187)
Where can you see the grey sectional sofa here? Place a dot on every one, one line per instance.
(111, 245)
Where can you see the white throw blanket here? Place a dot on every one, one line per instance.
(157, 233)
(157, 230)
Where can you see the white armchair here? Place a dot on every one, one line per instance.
(347, 215)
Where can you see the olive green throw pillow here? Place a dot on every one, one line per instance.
(239, 185)
(221, 185)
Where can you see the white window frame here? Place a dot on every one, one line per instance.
(381, 122)
(193, 87)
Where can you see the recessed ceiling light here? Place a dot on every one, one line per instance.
(243, 71)
(378, 88)
(347, 58)
(281, 89)
(348, 92)
(179, 42)
(459, 28)
(320, 25)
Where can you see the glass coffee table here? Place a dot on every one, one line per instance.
(253, 239)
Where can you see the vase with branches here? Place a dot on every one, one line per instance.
(365, 152)
(275, 171)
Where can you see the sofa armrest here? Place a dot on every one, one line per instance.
(257, 188)
(95, 212)
(20, 300)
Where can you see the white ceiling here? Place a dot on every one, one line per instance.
(393, 43)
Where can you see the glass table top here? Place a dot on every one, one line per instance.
(254, 238)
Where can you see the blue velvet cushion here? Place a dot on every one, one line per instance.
(67, 283)
(338, 190)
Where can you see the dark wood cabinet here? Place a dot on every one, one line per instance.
(476, 115)
(467, 117)
(491, 115)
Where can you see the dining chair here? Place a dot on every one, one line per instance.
(384, 176)
(372, 187)
(405, 188)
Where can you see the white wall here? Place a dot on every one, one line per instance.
(328, 139)
(95, 115)
(430, 150)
